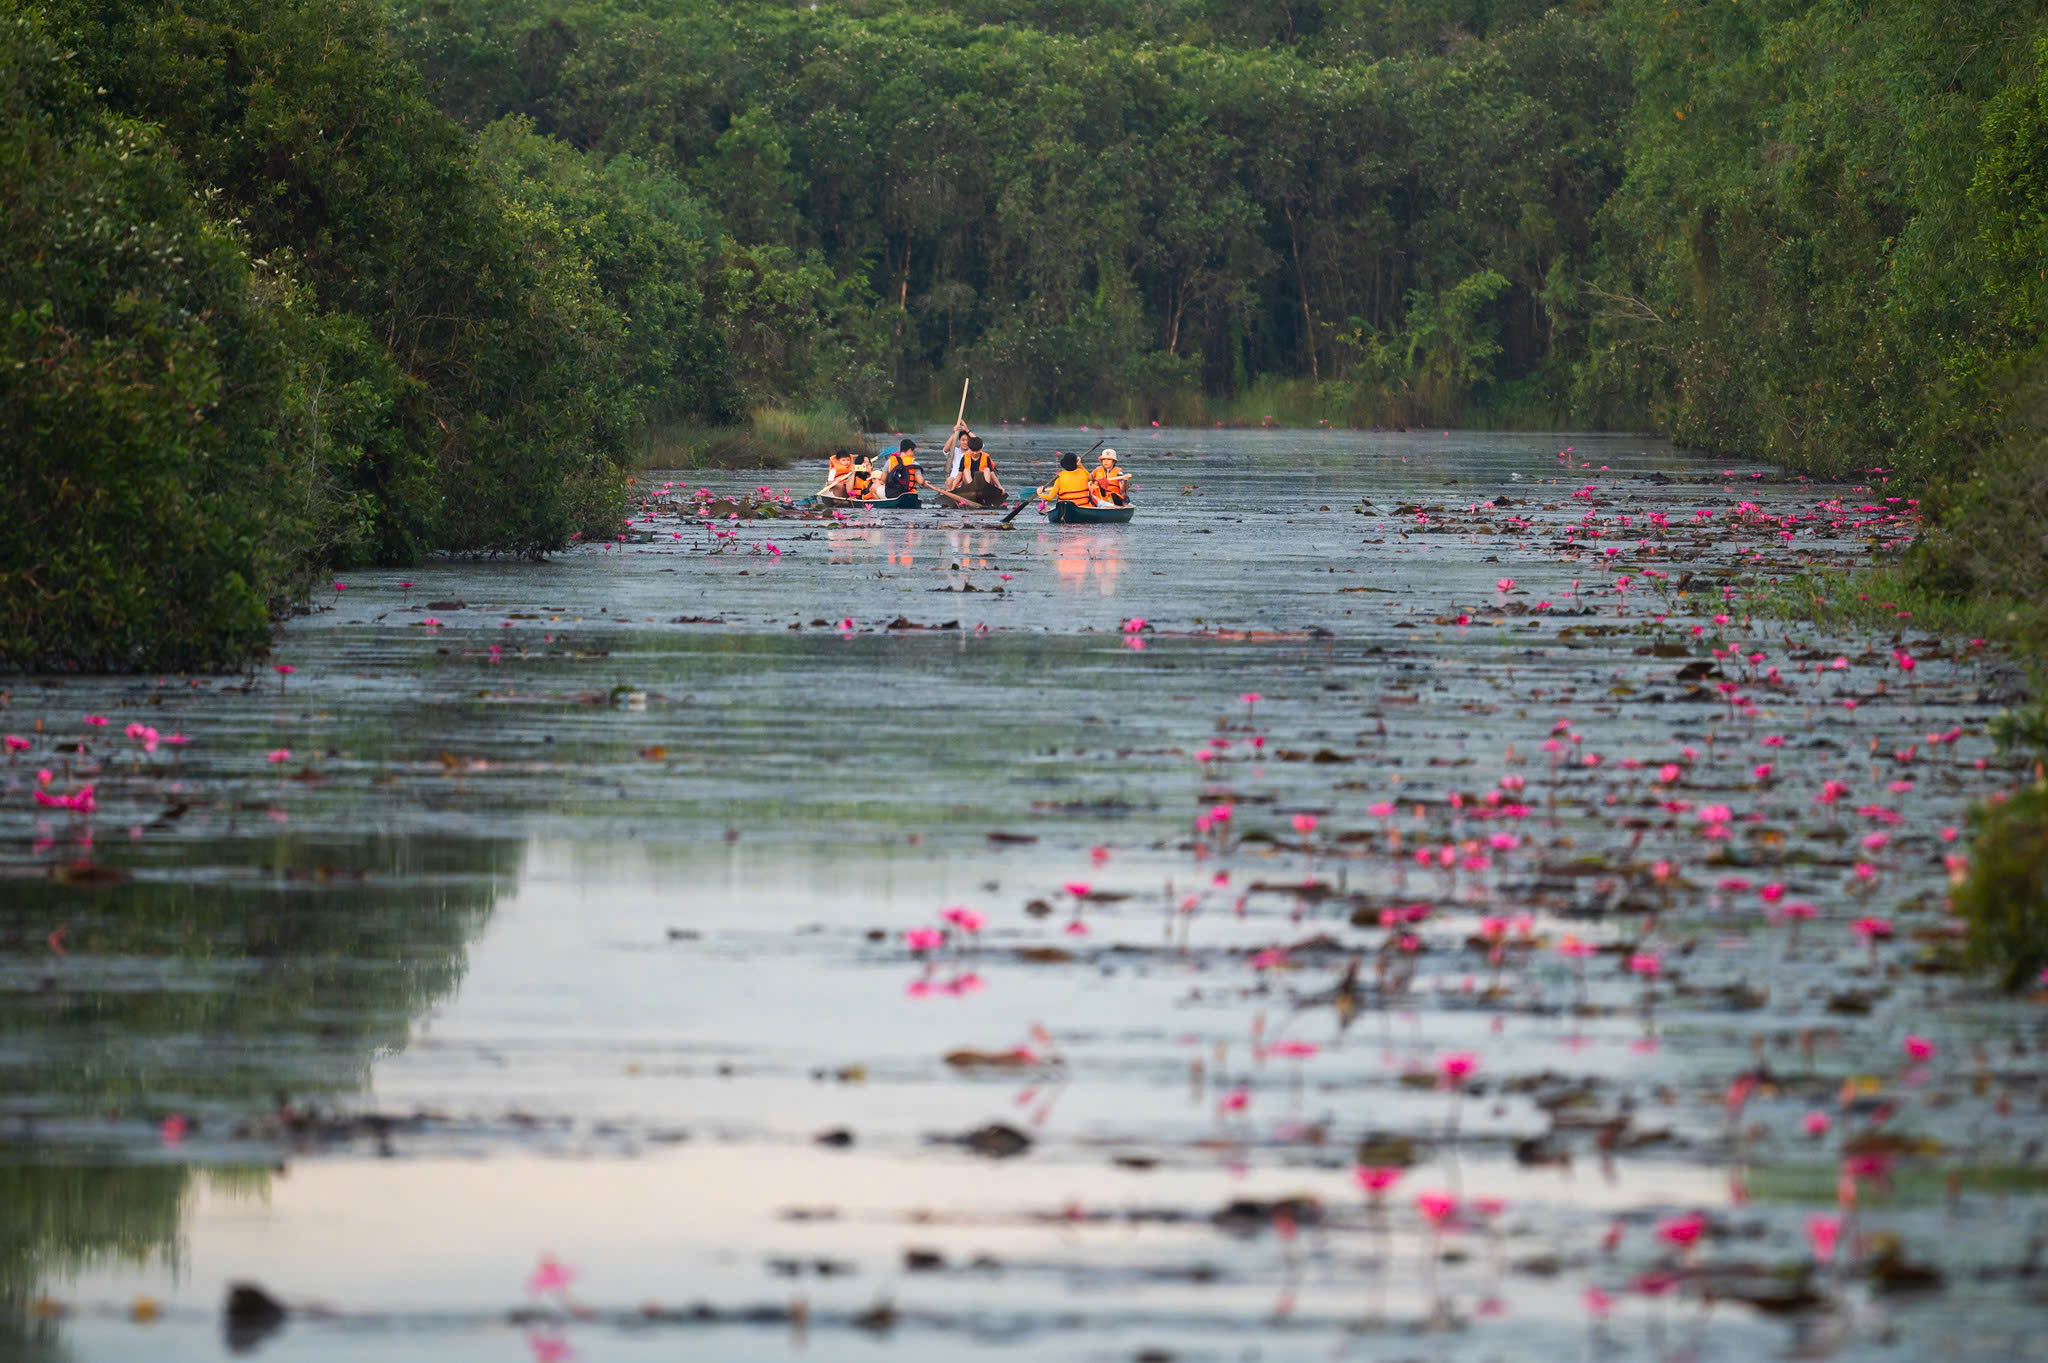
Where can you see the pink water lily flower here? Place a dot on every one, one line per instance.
(1683, 1231)
(1822, 1232)
(1376, 1179)
(1456, 1067)
(1436, 1208)
(550, 1276)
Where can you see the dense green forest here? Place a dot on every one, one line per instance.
(294, 285)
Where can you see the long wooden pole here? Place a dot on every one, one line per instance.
(954, 434)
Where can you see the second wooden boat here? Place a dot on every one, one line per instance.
(907, 502)
(1066, 513)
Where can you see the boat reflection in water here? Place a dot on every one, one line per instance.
(1083, 561)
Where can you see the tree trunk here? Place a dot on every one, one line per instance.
(1308, 321)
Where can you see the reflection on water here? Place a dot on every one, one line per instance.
(1086, 558)
(163, 1014)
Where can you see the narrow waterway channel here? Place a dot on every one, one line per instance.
(540, 968)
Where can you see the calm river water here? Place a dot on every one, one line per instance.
(525, 975)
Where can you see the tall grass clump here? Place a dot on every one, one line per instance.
(774, 438)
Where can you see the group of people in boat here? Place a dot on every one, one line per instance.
(971, 478)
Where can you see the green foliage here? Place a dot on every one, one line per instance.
(163, 472)
(648, 242)
(1990, 541)
(1793, 266)
(1090, 206)
(514, 400)
(2004, 899)
(266, 310)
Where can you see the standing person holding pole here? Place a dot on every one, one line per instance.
(959, 427)
(970, 474)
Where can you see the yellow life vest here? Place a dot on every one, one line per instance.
(1074, 485)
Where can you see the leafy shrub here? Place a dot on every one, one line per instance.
(153, 511)
(1991, 539)
(512, 395)
(2004, 899)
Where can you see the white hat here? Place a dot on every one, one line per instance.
(1106, 454)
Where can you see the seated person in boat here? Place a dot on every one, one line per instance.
(975, 478)
(902, 474)
(839, 472)
(860, 484)
(1072, 484)
(1112, 484)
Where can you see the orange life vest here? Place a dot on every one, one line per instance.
(900, 473)
(1074, 485)
(974, 465)
(861, 487)
(842, 464)
(1109, 482)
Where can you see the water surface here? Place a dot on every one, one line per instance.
(569, 925)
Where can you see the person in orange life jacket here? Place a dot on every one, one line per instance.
(1072, 483)
(902, 474)
(1112, 484)
(860, 484)
(839, 473)
(974, 473)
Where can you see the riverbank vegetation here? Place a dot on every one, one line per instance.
(291, 287)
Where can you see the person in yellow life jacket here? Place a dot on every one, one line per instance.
(838, 473)
(860, 484)
(1071, 484)
(1112, 484)
(901, 474)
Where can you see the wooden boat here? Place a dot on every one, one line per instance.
(945, 503)
(1066, 513)
(907, 502)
